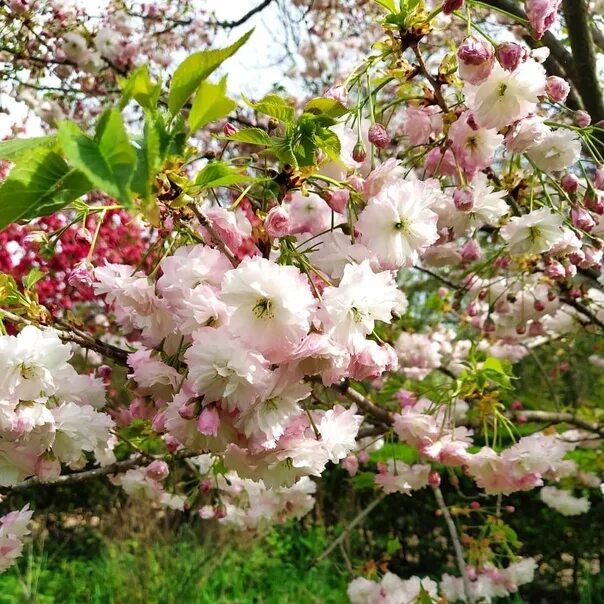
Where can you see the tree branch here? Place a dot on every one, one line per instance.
(552, 416)
(246, 17)
(216, 238)
(461, 563)
(584, 53)
(118, 466)
(363, 514)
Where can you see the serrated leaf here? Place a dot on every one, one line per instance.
(148, 160)
(220, 174)
(211, 103)
(275, 106)
(325, 106)
(252, 136)
(196, 68)
(38, 186)
(11, 150)
(32, 277)
(107, 160)
(140, 87)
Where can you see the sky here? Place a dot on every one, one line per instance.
(252, 71)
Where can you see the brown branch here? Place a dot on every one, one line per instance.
(69, 333)
(556, 417)
(578, 23)
(583, 310)
(461, 563)
(246, 17)
(382, 415)
(358, 518)
(118, 466)
(216, 238)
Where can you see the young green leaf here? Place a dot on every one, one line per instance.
(211, 103)
(148, 160)
(141, 88)
(32, 277)
(196, 68)
(39, 186)
(220, 174)
(13, 149)
(107, 160)
(328, 107)
(252, 136)
(274, 106)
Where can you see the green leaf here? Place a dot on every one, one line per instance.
(220, 174)
(140, 87)
(388, 5)
(363, 480)
(13, 149)
(39, 186)
(107, 160)
(211, 103)
(393, 546)
(196, 68)
(32, 277)
(274, 106)
(324, 106)
(252, 136)
(148, 160)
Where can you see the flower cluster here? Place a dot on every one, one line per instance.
(13, 527)
(49, 413)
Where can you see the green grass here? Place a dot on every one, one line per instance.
(274, 571)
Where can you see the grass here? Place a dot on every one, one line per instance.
(184, 571)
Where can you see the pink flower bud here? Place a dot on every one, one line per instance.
(542, 14)
(510, 509)
(363, 456)
(475, 505)
(356, 182)
(83, 236)
(510, 55)
(475, 60)
(171, 443)
(104, 372)
(157, 470)
(406, 398)
(538, 306)
(81, 276)
(471, 251)
(516, 405)
(489, 325)
(358, 153)
(472, 309)
(206, 485)
(206, 512)
(187, 411)
(47, 469)
(599, 178)
(502, 306)
(451, 5)
(18, 6)
(339, 200)
(570, 183)
(434, 479)
(378, 136)
(594, 201)
(520, 329)
(463, 199)
(536, 329)
(557, 89)
(209, 421)
(277, 223)
(555, 271)
(351, 464)
(229, 129)
(159, 422)
(582, 119)
(582, 219)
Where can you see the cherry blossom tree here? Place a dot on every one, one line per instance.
(213, 300)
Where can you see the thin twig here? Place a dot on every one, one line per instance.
(358, 518)
(216, 238)
(461, 563)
